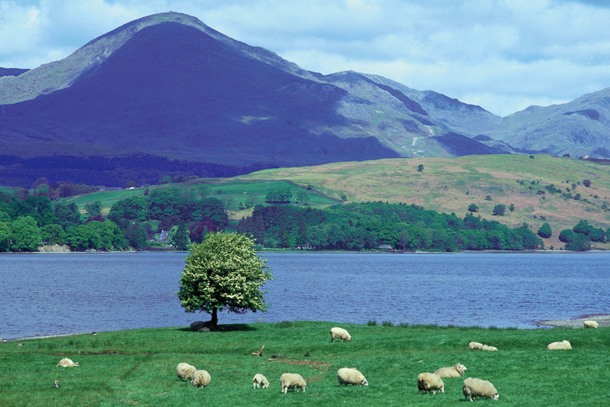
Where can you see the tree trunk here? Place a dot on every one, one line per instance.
(214, 320)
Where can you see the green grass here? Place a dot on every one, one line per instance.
(137, 367)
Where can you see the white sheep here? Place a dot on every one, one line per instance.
(65, 362)
(475, 346)
(292, 381)
(474, 388)
(429, 382)
(590, 324)
(451, 371)
(185, 371)
(480, 346)
(559, 345)
(339, 333)
(352, 376)
(201, 378)
(260, 381)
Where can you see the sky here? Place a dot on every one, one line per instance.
(502, 55)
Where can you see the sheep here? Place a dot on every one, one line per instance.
(559, 345)
(474, 388)
(292, 381)
(351, 376)
(429, 382)
(451, 371)
(475, 346)
(260, 380)
(201, 378)
(65, 362)
(480, 346)
(185, 371)
(590, 324)
(339, 333)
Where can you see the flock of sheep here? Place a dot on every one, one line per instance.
(426, 382)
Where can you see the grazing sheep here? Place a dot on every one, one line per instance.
(339, 333)
(559, 345)
(590, 324)
(480, 346)
(351, 376)
(429, 382)
(260, 381)
(475, 346)
(185, 371)
(451, 371)
(474, 388)
(65, 362)
(292, 381)
(201, 378)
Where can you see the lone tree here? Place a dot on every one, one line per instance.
(221, 273)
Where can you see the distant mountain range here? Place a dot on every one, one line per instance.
(169, 86)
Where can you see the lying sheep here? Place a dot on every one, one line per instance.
(451, 371)
(260, 381)
(292, 381)
(65, 362)
(559, 345)
(489, 348)
(474, 388)
(351, 376)
(201, 378)
(429, 382)
(339, 333)
(185, 371)
(590, 324)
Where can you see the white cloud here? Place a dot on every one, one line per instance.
(500, 54)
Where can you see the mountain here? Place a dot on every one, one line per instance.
(578, 128)
(168, 85)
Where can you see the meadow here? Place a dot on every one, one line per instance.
(137, 367)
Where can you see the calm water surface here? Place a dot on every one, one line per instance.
(47, 294)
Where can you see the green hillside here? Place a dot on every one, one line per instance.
(541, 188)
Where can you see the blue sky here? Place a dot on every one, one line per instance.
(503, 55)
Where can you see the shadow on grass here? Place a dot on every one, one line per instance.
(222, 328)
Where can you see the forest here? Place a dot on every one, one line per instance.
(173, 218)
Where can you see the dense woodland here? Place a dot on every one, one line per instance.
(180, 216)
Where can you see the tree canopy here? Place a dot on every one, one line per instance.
(221, 273)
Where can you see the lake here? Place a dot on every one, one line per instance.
(50, 294)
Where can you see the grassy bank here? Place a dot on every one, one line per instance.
(138, 367)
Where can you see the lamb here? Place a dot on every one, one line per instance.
(260, 380)
(590, 324)
(351, 376)
(201, 378)
(185, 371)
(474, 388)
(65, 362)
(292, 381)
(429, 382)
(339, 333)
(559, 345)
(451, 371)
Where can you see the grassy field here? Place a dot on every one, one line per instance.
(137, 367)
(452, 184)
(230, 191)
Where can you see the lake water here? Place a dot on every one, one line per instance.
(48, 294)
